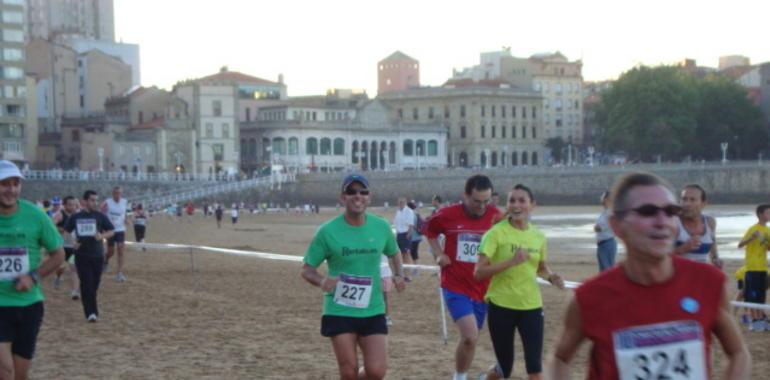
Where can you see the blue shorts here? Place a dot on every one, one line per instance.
(460, 305)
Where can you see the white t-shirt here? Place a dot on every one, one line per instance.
(604, 226)
(116, 211)
(234, 213)
(404, 218)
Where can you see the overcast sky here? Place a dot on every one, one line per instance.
(321, 44)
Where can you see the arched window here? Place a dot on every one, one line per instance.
(279, 145)
(339, 146)
(326, 146)
(483, 158)
(392, 153)
(311, 145)
(354, 152)
(463, 159)
(494, 159)
(433, 148)
(293, 146)
(514, 159)
(408, 148)
(265, 150)
(421, 147)
(524, 158)
(502, 156)
(534, 158)
(253, 148)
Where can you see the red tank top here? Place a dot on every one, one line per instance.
(624, 318)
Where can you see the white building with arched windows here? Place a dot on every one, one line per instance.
(339, 133)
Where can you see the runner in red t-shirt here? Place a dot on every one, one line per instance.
(644, 317)
(462, 226)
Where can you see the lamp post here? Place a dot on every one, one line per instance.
(100, 153)
(419, 151)
(569, 154)
(591, 155)
(723, 146)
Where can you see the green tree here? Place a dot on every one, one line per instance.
(649, 112)
(556, 145)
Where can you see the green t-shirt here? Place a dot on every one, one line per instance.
(21, 237)
(353, 252)
(515, 288)
(756, 251)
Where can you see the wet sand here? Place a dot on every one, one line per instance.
(247, 318)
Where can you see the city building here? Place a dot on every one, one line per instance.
(557, 79)
(16, 98)
(56, 20)
(101, 76)
(397, 72)
(728, 61)
(342, 130)
(489, 123)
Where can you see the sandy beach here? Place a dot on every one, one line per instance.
(246, 318)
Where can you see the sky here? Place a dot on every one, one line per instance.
(322, 44)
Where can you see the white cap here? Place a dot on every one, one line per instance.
(9, 170)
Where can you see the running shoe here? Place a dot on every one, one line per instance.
(388, 321)
(56, 282)
(120, 277)
(75, 294)
(92, 318)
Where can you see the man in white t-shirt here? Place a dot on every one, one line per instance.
(404, 223)
(116, 208)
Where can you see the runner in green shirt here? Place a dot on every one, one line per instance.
(354, 308)
(24, 229)
(513, 253)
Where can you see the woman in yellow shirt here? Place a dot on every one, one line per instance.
(513, 253)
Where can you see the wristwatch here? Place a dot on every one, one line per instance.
(35, 275)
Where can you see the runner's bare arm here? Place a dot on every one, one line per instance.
(397, 267)
(311, 275)
(485, 269)
(567, 345)
(442, 259)
(739, 359)
(714, 253)
(749, 239)
(545, 272)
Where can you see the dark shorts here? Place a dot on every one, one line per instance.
(404, 243)
(20, 325)
(119, 237)
(755, 285)
(414, 249)
(68, 252)
(139, 231)
(333, 325)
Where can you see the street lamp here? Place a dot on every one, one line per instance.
(723, 146)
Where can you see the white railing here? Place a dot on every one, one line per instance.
(81, 175)
(273, 182)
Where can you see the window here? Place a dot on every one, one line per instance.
(514, 158)
(11, 54)
(577, 104)
(421, 148)
(415, 114)
(326, 146)
(400, 114)
(217, 107)
(513, 112)
(534, 132)
(494, 159)
(493, 111)
(536, 86)
(557, 88)
(433, 148)
(462, 110)
(557, 104)
(502, 112)
(462, 132)
(513, 131)
(10, 17)
(141, 117)
(558, 121)
(408, 148)
(209, 130)
(483, 110)
(430, 113)
(293, 146)
(446, 112)
(311, 145)
(226, 130)
(483, 131)
(13, 72)
(502, 131)
(75, 135)
(523, 132)
(248, 114)
(534, 158)
(494, 131)
(10, 35)
(219, 151)
(339, 147)
(534, 112)
(524, 158)
(523, 112)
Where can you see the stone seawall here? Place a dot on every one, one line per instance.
(736, 183)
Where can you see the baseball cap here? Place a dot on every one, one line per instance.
(354, 178)
(55, 201)
(9, 170)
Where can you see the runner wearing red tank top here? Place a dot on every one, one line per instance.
(665, 332)
(463, 225)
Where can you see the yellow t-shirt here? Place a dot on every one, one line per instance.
(515, 288)
(740, 274)
(756, 250)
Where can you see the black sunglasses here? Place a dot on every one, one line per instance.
(350, 191)
(649, 210)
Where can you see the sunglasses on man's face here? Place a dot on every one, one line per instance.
(350, 191)
(649, 210)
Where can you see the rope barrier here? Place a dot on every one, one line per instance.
(427, 268)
